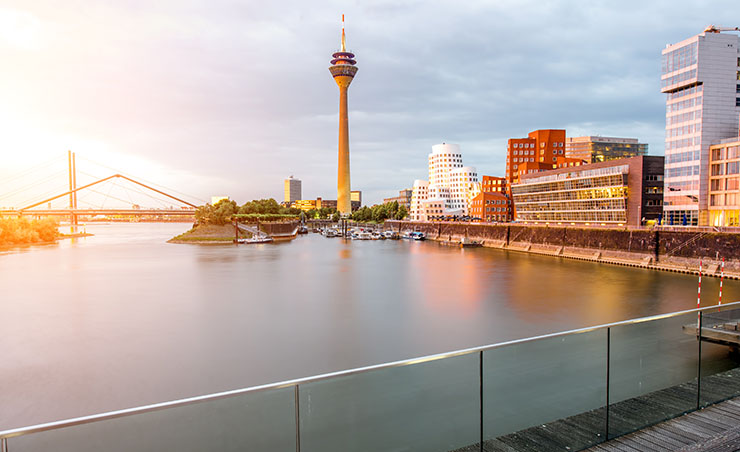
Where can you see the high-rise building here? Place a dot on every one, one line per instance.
(292, 188)
(449, 181)
(541, 146)
(701, 79)
(592, 149)
(343, 70)
(356, 197)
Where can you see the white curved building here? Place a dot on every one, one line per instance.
(450, 182)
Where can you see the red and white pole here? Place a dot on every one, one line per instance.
(698, 298)
(721, 278)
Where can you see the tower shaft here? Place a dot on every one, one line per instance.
(344, 204)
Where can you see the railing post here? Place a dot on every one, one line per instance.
(4, 445)
(480, 382)
(608, 369)
(297, 420)
(698, 366)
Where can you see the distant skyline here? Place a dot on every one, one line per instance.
(230, 98)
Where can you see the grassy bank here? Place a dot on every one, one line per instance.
(23, 231)
(206, 234)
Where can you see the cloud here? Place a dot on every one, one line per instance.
(237, 95)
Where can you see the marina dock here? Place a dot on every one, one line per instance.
(726, 333)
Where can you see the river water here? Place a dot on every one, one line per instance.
(123, 319)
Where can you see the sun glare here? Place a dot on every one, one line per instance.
(19, 29)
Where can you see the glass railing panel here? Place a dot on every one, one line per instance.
(255, 421)
(547, 394)
(428, 406)
(720, 360)
(653, 372)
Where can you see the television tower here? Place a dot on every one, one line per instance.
(343, 70)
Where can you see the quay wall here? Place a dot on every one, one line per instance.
(649, 247)
(279, 228)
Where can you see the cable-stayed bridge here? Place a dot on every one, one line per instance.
(114, 196)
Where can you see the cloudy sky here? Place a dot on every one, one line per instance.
(230, 97)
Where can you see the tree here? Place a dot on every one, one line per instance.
(264, 206)
(402, 213)
(223, 211)
(379, 213)
(363, 214)
(335, 217)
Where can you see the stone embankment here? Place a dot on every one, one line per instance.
(676, 251)
(225, 234)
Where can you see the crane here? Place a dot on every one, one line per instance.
(713, 29)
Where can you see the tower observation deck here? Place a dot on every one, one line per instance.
(343, 70)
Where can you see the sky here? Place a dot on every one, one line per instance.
(231, 97)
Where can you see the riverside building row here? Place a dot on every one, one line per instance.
(697, 183)
(455, 190)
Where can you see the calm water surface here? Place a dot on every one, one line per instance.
(123, 319)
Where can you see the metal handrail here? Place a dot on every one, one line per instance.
(5, 434)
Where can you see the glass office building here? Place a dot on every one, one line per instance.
(626, 191)
(592, 149)
(700, 77)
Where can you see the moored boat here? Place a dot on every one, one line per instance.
(254, 240)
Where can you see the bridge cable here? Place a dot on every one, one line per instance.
(125, 189)
(161, 202)
(144, 180)
(33, 169)
(31, 185)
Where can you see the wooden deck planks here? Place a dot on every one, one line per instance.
(713, 429)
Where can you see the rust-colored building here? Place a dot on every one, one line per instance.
(493, 184)
(541, 146)
(493, 203)
(491, 207)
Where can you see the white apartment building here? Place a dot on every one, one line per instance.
(701, 78)
(451, 185)
(419, 194)
(292, 189)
